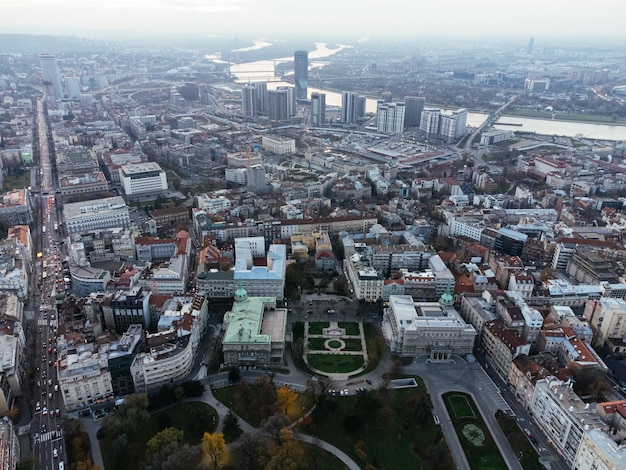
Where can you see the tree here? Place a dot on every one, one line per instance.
(286, 454)
(160, 439)
(272, 426)
(130, 416)
(231, 428)
(397, 368)
(286, 398)
(234, 374)
(28, 463)
(214, 447)
(87, 465)
(246, 451)
(174, 456)
(179, 393)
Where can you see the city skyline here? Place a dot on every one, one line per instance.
(448, 18)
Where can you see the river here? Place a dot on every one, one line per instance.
(263, 70)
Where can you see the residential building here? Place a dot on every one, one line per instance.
(249, 100)
(278, 105)
(563, 416)
(254, 331)
(9, 445)
(174, 348)
(453, 126)
(351, 108)
(501, 345)
(121, 354)
(413, 107)
(318, 109)
(15, 208)
(390, 117)
(607, 318)
(599, 451)
(430, 122)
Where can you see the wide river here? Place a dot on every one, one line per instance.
(263, 70)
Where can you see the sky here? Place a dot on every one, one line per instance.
(322, 19)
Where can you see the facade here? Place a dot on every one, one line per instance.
(453, 126)
(318, 109)
(430, 121)
(96, 214)
(301, 73)
(125, 308)
(366, 281)
(50, 74)
(254, 331)
(143, 178)
(9, 445)
(598, 451)
(501, 345)
(249, 100)
(563, 416)
(83, 375)
(426, 328)
(607, 318)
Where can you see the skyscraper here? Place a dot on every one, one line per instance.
(261, 97)
(249, 100)
(430, 121)
(529, 48)
(413, 107)
(277, 105)
(301, 73)
(73, 87)
(390, 117)
(50, 74)
(318, 109)
(349, 107)
(291, 99)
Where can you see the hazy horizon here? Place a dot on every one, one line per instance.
(348, 21)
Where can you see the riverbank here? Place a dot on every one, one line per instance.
(565, 117)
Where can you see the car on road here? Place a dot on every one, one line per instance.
(44, 411)
(38, 407)
(368, 381)
(57, 413)
(55, 452)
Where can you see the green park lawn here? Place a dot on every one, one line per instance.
(482, 452)
(393, 432)
(335, 363)
(352, 328)
(352, 344)
(317, 327)
(317, 344)
(193, 418)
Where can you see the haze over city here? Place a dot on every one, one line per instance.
(325, 19)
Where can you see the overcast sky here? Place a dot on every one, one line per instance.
(321, 18)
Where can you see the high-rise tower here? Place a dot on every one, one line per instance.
(413, 107)
(249, 100)
(318, 109)
(301, 73)
(50, 74)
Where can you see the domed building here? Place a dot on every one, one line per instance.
(254, 331)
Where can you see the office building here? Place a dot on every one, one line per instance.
(413, 107)
(390, 117)
(352, 107)
(249, 100)
(96, 214)
(531, 44)
(510, 242)
(72, 84)
(426, 328)
(143, 178)
(50, 74)
(277, 105)
(318, 109)
(301, 73)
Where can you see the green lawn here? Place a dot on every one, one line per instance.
(335, 343)
(461, 406)
(483, 456)
(317, 327)
(317, 344)
(394, 434)
(227, 396)
(19, 179)
(526, 453)
(193, 418)
(353, 344)
(335, 363)
(352, 328)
